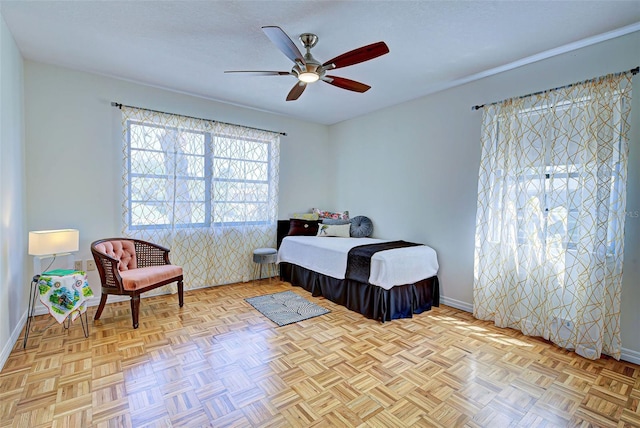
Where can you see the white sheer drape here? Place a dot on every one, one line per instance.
(206, 190)
(551, 213)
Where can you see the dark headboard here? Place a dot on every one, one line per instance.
(283, 229)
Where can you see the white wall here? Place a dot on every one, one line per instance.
(413, 168)
(14, 288)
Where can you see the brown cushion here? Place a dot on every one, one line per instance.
(121, 249)
(135, 279)
(303, 227)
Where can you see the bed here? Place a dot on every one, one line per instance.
(401, 281)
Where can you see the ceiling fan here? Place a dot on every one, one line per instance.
(307, 69)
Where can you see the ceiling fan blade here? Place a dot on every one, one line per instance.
(348, 84)
(284, 43)
(262, 73)
(296, 91)
(357, 56)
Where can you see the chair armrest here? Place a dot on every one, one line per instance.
(107, 269)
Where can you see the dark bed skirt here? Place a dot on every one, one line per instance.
(369, 300)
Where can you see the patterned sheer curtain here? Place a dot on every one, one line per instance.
(206, 190)
(551, 212)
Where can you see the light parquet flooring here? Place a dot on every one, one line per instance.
(217, 362)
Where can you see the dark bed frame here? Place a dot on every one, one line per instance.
(373, 302)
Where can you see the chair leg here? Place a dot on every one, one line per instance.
(103, 301)
(180, 293)
(135, 308)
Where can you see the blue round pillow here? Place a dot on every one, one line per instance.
(361, 227)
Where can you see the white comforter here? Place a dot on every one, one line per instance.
(328, 256)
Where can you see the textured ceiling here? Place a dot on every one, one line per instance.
(187, 45)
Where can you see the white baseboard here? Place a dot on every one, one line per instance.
(15, 335)
(630, 356)
(458, 304)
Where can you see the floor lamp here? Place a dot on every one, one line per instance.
(44, 244)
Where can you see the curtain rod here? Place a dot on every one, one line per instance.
(633, 71)
(120, 105)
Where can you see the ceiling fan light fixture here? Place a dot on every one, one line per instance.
(308, 77)
(307, 69)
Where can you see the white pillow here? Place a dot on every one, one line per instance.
(340, 230)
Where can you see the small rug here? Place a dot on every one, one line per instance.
(286, 307)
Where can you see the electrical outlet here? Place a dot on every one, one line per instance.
(91, 265)
(77, 265)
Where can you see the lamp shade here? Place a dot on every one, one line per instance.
(48, 242)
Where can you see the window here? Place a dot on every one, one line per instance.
(555, 193)
(547, 183)
(241, 180)
(551, 210)
(168, 170)
(180, 177)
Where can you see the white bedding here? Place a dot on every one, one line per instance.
(328, 256)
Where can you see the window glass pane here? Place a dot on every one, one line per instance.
(147, 213)
(256, 151)
(240, 170)
(222, 168)
(221, 148)
(229, 191)
(195, 190)
(235, 170)
(149, 189)
(233, 191)
(531, 147)
(573, 231)
(198, 212)
(257, 211)
(192, 143)
(557, 221)
(148, 162)
(257, 171)
(229, 212)
(574, 193)
(220, 191)
(189, 212)
(256, 191)
(190, 166)
(145, 137)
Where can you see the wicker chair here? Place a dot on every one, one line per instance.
(131, 267)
